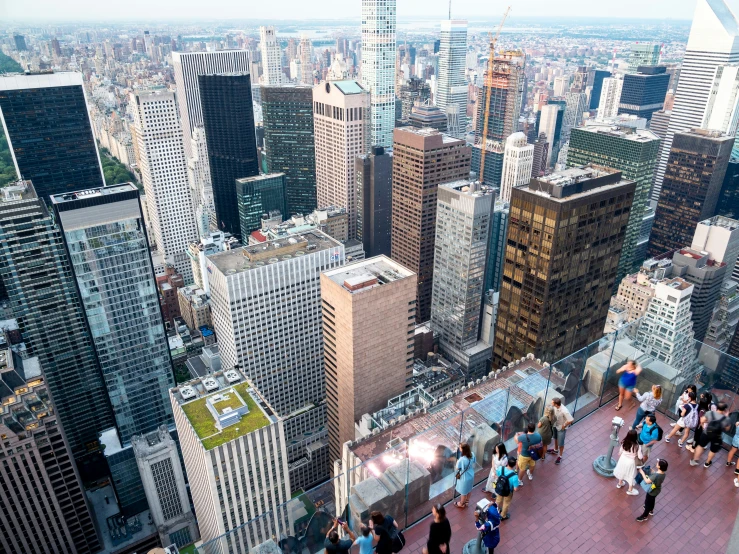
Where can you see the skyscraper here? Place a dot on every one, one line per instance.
(575, 106)
(550, 125)
(257, 196)
(518, 162)
(164, 172)
(463, 217)
(49, 134)
(201, 186)
(549, 305)
(451, 88)
(287, 113)
(306, 61)
(643, 53)
(497, 245)
(595, 93)
(340, 122)
(187, 67)
(43, 298)
(691, 187)
(541, 155)
(374, 173)
(610, 97)
(378, 67)
(422, 160)
(631, 151)
(228, 118)
(42, 501)
(105, 237)
(368, 339)
(712, 43)
(643, 92)
(271, 56)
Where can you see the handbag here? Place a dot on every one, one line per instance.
(458, 476)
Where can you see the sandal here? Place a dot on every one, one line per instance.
(618, 408)
(460, 506)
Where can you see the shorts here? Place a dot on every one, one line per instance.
(627, 387)
(645, 450)
(735, 440)
(714, 441)
(559, 436)
(525, 463)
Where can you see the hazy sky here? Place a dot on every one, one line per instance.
(329, 9)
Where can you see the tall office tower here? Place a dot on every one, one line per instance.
(643, 53)
(550, 125)
(576, 102)
(271, 56)
(691, 187)
(104, 233)
(306, 61)
(413, 91)
(341, 126)
(165, 487)
(228, 118)
(42, 502)
(610, 97)
(502, 92)
(561, 84)
(367, 329)
(422, 160)
(232, 440)
(707, 277)
(256, 196)
(595, 93)
(374, 173)
(20, 43)
(187, 66)
(643, 92)
(266, 306)
(631, 151)
(497, 245)
(463, 217)
(164, 172)
(549, 306)
(722, 110)
(541, 155)
(451, 83)
(49, 134)
(378, 67)
(660, 122)
(201, 187)
(289, 143)
(518, 162)
(713, 42)
(425, 115)
(666, 330)
(35, 273)
(728, 204)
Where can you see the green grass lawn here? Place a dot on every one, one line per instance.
(189, 549)
(232, 402)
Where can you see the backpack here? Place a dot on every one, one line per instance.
(660, 433)
(397, 538)
(716, 426)
(691, 420)
(503, 485)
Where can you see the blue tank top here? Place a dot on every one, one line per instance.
(628, 379)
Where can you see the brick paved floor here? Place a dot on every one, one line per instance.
(570, 508)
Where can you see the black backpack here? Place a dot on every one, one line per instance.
(660, 433)
(398, 539)
(503, 485)
(716, 426)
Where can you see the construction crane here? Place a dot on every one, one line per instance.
(489, 85)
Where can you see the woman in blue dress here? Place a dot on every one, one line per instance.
(626, 383)
(465, 475)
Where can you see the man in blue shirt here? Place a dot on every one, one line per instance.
(531, 440)
(504, 500)
(648, 437)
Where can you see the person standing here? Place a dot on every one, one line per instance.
(653, 487)
(716, 423)
(500, 459)
(562, 420)
(333, 544)
(490, 528)
(649, 402)
(626, 383)
(366, 541)
(648, 437)
(546, 429)
(625, 470)
(529, 449)
(505, 486)
(440, 532)
(381, 526)
(732, 451)
(705, 404)
(688, 420)
(465, 475)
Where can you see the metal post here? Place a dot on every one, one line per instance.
(604, 465)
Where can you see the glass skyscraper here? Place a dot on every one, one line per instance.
(106, 240)
(257, 196)
(644, 92)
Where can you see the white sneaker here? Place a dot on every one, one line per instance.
(633, 492)
(528, 473)
(736, 482)
(672, 424)
(619, 485)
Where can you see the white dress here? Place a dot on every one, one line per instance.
(493, 477)
(626, 467)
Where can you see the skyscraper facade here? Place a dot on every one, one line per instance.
(691, 187)
(643, 92)
(550, 124)
(610, 97)
(105, 236)
(44, 300)
(287, 113)
(257, 196)
(340, 122)
(422, 160)
(374, 173)
(451, 87)
(378, 67)
(643, 53)
(550, 305)
(228, 118)
(518, 162)
(368, 339)
(631, 151)
(164, 172)
(306, 61)
(49, 133)
(497, 246)
(271, 52)
(595, 92)
(713, 42)
(187, 66)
